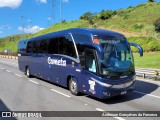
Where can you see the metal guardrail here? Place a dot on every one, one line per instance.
(148, 73)
(8, 55)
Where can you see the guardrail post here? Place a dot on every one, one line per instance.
(155, 77)
(143, 75)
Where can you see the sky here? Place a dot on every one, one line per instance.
(30, 16)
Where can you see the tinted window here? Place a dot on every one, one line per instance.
(81, 38)
(29, 47)
(80, 49)
(53, 46)
(43, 46)
(36, 46)
(66, 46)
(22, 47)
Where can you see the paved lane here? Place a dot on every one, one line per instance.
(19, 93)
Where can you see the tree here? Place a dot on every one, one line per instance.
(89, 17)
(157, 25)
(106, 14)
(151, 0)
(86, 16)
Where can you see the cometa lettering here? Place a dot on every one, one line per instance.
(60, 62)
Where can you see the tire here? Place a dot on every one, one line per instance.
(28, 72)
(73, 86)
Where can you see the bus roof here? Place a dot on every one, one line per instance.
(101, 32)
(87, 31)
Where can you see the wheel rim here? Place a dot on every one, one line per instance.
(74, 86)
(27, 72)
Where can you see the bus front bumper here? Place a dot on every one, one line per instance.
(116, 90)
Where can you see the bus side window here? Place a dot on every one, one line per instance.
(81, 52)
(66, 46)
(43, 46)
(53, 46)
(90, 60)
(29, 47)
(22, 47)
(36, 46)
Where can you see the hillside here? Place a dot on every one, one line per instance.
(134, 22)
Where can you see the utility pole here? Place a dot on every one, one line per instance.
(30, 26)
(23, 26)
(60, 14)
(49, 22)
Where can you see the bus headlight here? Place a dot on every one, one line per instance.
(101, 83)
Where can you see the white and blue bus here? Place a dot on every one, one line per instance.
(92, 61)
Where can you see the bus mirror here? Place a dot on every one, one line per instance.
(140, 49)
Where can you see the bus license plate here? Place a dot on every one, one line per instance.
(124, 92)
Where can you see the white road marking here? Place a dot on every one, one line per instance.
(18, 75)
(118, 118)
(34, 82)
(147, 94)
(60, 93)
(98, 109)
(2, 68)
(8, 71)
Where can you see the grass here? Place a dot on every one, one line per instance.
(135, 19)
(149, 60)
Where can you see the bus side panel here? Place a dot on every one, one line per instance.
(63, 71)
(36, 65)
(23, 61)
(50, 71)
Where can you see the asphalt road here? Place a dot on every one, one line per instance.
(19, 93)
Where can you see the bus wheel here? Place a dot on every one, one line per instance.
(73, 86)
(28, 72)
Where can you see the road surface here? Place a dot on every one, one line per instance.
(19, 93)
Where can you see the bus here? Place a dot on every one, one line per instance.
(95, 62)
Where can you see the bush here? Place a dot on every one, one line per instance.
(150, 0)
(148, 44)
(86, 16)
(157, 25)
(106, 14)
(89, 17)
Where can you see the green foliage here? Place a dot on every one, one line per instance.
(157, 25)
(106, 14)
(86, 16)
(11, 42)
(150, 0)
(89, 17)
(138, 26)
(148, 44)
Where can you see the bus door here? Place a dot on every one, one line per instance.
(90, 71)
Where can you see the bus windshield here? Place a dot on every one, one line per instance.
(117, 54)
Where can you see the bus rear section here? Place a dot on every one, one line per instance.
(92, 61)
